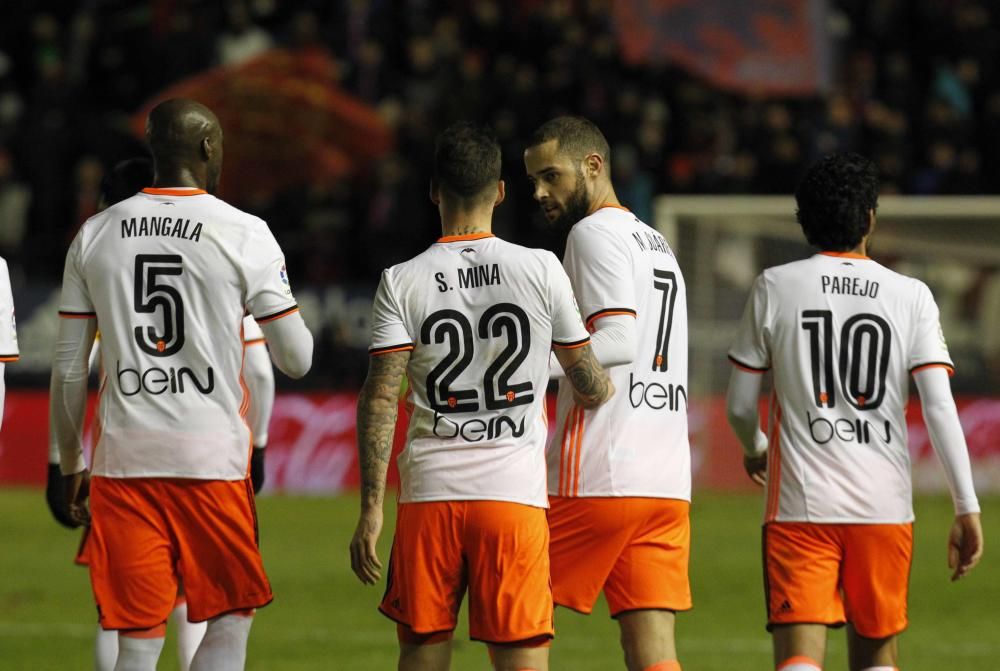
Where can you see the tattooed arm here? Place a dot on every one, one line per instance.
(591, 384)
(377, 407)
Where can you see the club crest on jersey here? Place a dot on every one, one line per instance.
(283, 274)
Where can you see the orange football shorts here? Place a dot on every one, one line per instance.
(835, 573)
(496, 550)
(635, 549)
(146, 534)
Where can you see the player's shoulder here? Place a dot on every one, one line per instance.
(608, 225)
(227, 211)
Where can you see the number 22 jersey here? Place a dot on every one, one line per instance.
(842, 334)
(169, 275)
(480, 316)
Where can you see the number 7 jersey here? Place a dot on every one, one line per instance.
(169, 275)
(842, 334)
(480, 316)
(636, 444)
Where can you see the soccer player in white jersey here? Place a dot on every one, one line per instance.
(842, 335)
(168, 275)
(471, 322)
(8, 331)
(619, 475)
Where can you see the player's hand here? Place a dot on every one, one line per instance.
(965, 544)
(55, 497)
(77, 489)
(257, 468)
(756, 468)
(364, 557)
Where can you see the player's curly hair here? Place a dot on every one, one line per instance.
(833, 201)
(466, 161)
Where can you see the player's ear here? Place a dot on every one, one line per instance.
(593, 165)
(871, 221)
(435, 193)
(501, 193)
(207, 147)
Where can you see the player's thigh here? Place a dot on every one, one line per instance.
(219, 561)
(130, 552)
(651, 572)
(802, 564)
(506, 549)
(426, 578)
(587, 535)
(799, 640)
(876, 576)
(864, 652)
(516, 658)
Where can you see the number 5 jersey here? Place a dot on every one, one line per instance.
(636, 444)
(842, 334)
(480, 316)
(169, 275)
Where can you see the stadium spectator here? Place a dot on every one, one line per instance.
(842, 335)
(620, 474)
(484, 313)
(172, 443)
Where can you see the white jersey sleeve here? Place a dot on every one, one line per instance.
(8, 329)
(75, 300)
(389, 333)
(269, 293)
(602, 273)
(928, 347)
(751, 350)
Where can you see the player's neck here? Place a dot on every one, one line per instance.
(604, 195)
(466, 222)
(179, 177)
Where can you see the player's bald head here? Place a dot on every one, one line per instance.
(185, 136)
(177, 126)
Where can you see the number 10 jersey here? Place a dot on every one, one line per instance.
(169, 275)
(480, 316)
(842, 334)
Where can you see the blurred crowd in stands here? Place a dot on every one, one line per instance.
(916, 85)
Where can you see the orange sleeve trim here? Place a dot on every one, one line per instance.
(749, 369)
(609, 312)
(77, 315)
(8, 358)
(846, 255)
(947, 366)
(277, 315)
(571, 345)
(153, 191)
(375, 351)
(464, 238)
(255, 341)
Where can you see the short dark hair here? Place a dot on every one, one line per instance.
(577, 137)
(466, 161)
(126, 179)
(834, 199)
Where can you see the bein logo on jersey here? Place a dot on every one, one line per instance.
(475, 430)
(156, 381)
(655, 395)
(860, 431)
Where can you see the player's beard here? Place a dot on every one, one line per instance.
(575, 207)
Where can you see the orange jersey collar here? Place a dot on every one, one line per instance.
(846, 255)
(174, 191)
(463, 238)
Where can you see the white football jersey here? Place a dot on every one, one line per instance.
(842, 334)
(481, 316)
(169, 275)
(251, 331)
(636, 444)
(8, 327)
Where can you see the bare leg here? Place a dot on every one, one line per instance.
(429, 657)
(866, 652)
(793, 640)
(647, 637)
(520, 659)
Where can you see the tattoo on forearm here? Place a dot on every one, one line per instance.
(588, 378)
(376, 419)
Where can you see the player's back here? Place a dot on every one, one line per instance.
(636, 444)
(843, 334)
(481, 316)
(168, 273)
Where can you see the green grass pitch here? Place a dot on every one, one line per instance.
(323, 619)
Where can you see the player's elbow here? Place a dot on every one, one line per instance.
(740, 416)
(296, 364)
